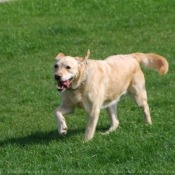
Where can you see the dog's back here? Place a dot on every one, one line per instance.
(149, 60)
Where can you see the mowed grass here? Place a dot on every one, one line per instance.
(31, 34)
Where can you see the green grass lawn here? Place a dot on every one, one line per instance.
(32, 33)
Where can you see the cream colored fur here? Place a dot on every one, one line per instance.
(105, 82)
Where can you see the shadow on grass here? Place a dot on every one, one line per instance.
(40, 138)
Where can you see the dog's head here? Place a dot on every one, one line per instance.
(66, 69)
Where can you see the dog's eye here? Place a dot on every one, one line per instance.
(55, 66)
(68, 67)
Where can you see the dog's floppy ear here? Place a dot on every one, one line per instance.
(87, 55)
(60, 55)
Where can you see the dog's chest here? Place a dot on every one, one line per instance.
(76, 99)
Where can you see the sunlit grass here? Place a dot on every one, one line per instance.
(31, 34)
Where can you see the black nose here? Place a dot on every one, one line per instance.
(57, 77)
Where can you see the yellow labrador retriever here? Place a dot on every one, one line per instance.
(95, 84)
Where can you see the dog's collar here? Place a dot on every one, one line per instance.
(84, 78)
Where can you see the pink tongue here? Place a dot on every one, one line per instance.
(66, 83)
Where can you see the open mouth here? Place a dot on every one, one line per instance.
(62, 85)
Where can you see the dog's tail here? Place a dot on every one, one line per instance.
(152, 61)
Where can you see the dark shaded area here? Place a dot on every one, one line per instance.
(40, 138)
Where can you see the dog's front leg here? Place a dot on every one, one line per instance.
(92, 122)
(61, 123)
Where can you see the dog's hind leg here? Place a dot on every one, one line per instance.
(111, 110)
(59, 112)
(138, 93)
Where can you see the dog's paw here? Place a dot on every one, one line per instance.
(86, 139)
(63, 130)
(111, 129)
(149, 122)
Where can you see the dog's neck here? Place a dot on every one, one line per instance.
(78, 79)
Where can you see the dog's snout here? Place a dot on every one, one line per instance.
(57, 77)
